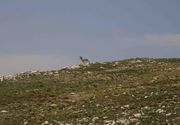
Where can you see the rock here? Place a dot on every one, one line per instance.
(95, 118)
(105, 117)
(138, 61)
(1, 78)
(45, 123)
(168, 114)
(74, 67)
(53, 105)
(89, 72)
(116, 63)
(102, 67)
(97, 105)
(133, 120)
(72, 93)
(146, 107)
(109, 122)
(126, 106)
(137, 115)
(4, 111)
(25, 123)
(145, 97)
(123, 121)
(159, 110)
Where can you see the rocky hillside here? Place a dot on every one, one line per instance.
(137, 91)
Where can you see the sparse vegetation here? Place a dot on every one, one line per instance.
(128, 92)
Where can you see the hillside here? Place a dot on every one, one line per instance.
(137, 91)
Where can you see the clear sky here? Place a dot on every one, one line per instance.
(49, 34)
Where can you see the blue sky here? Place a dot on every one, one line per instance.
(49, 34)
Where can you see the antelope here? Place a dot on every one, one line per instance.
(85, 61)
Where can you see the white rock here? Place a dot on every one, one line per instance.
(53, 105)
(102, 67)
(45, 123)
(34, 71)
(50, 73)
(122, 121)
(4, 111)
(146, 107)
(89, 72)
(168, 114)
(58, 122)
(133, 120)
(105, 117)
(137, 115)
(109, 122)
(25, 123)
(1, 78)
(116, 63)
(95, 118)
(126, 106)
(74, 67)
(160, 110)
(145, 97)
(138, 61)
(97, 105)
(72, 93)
